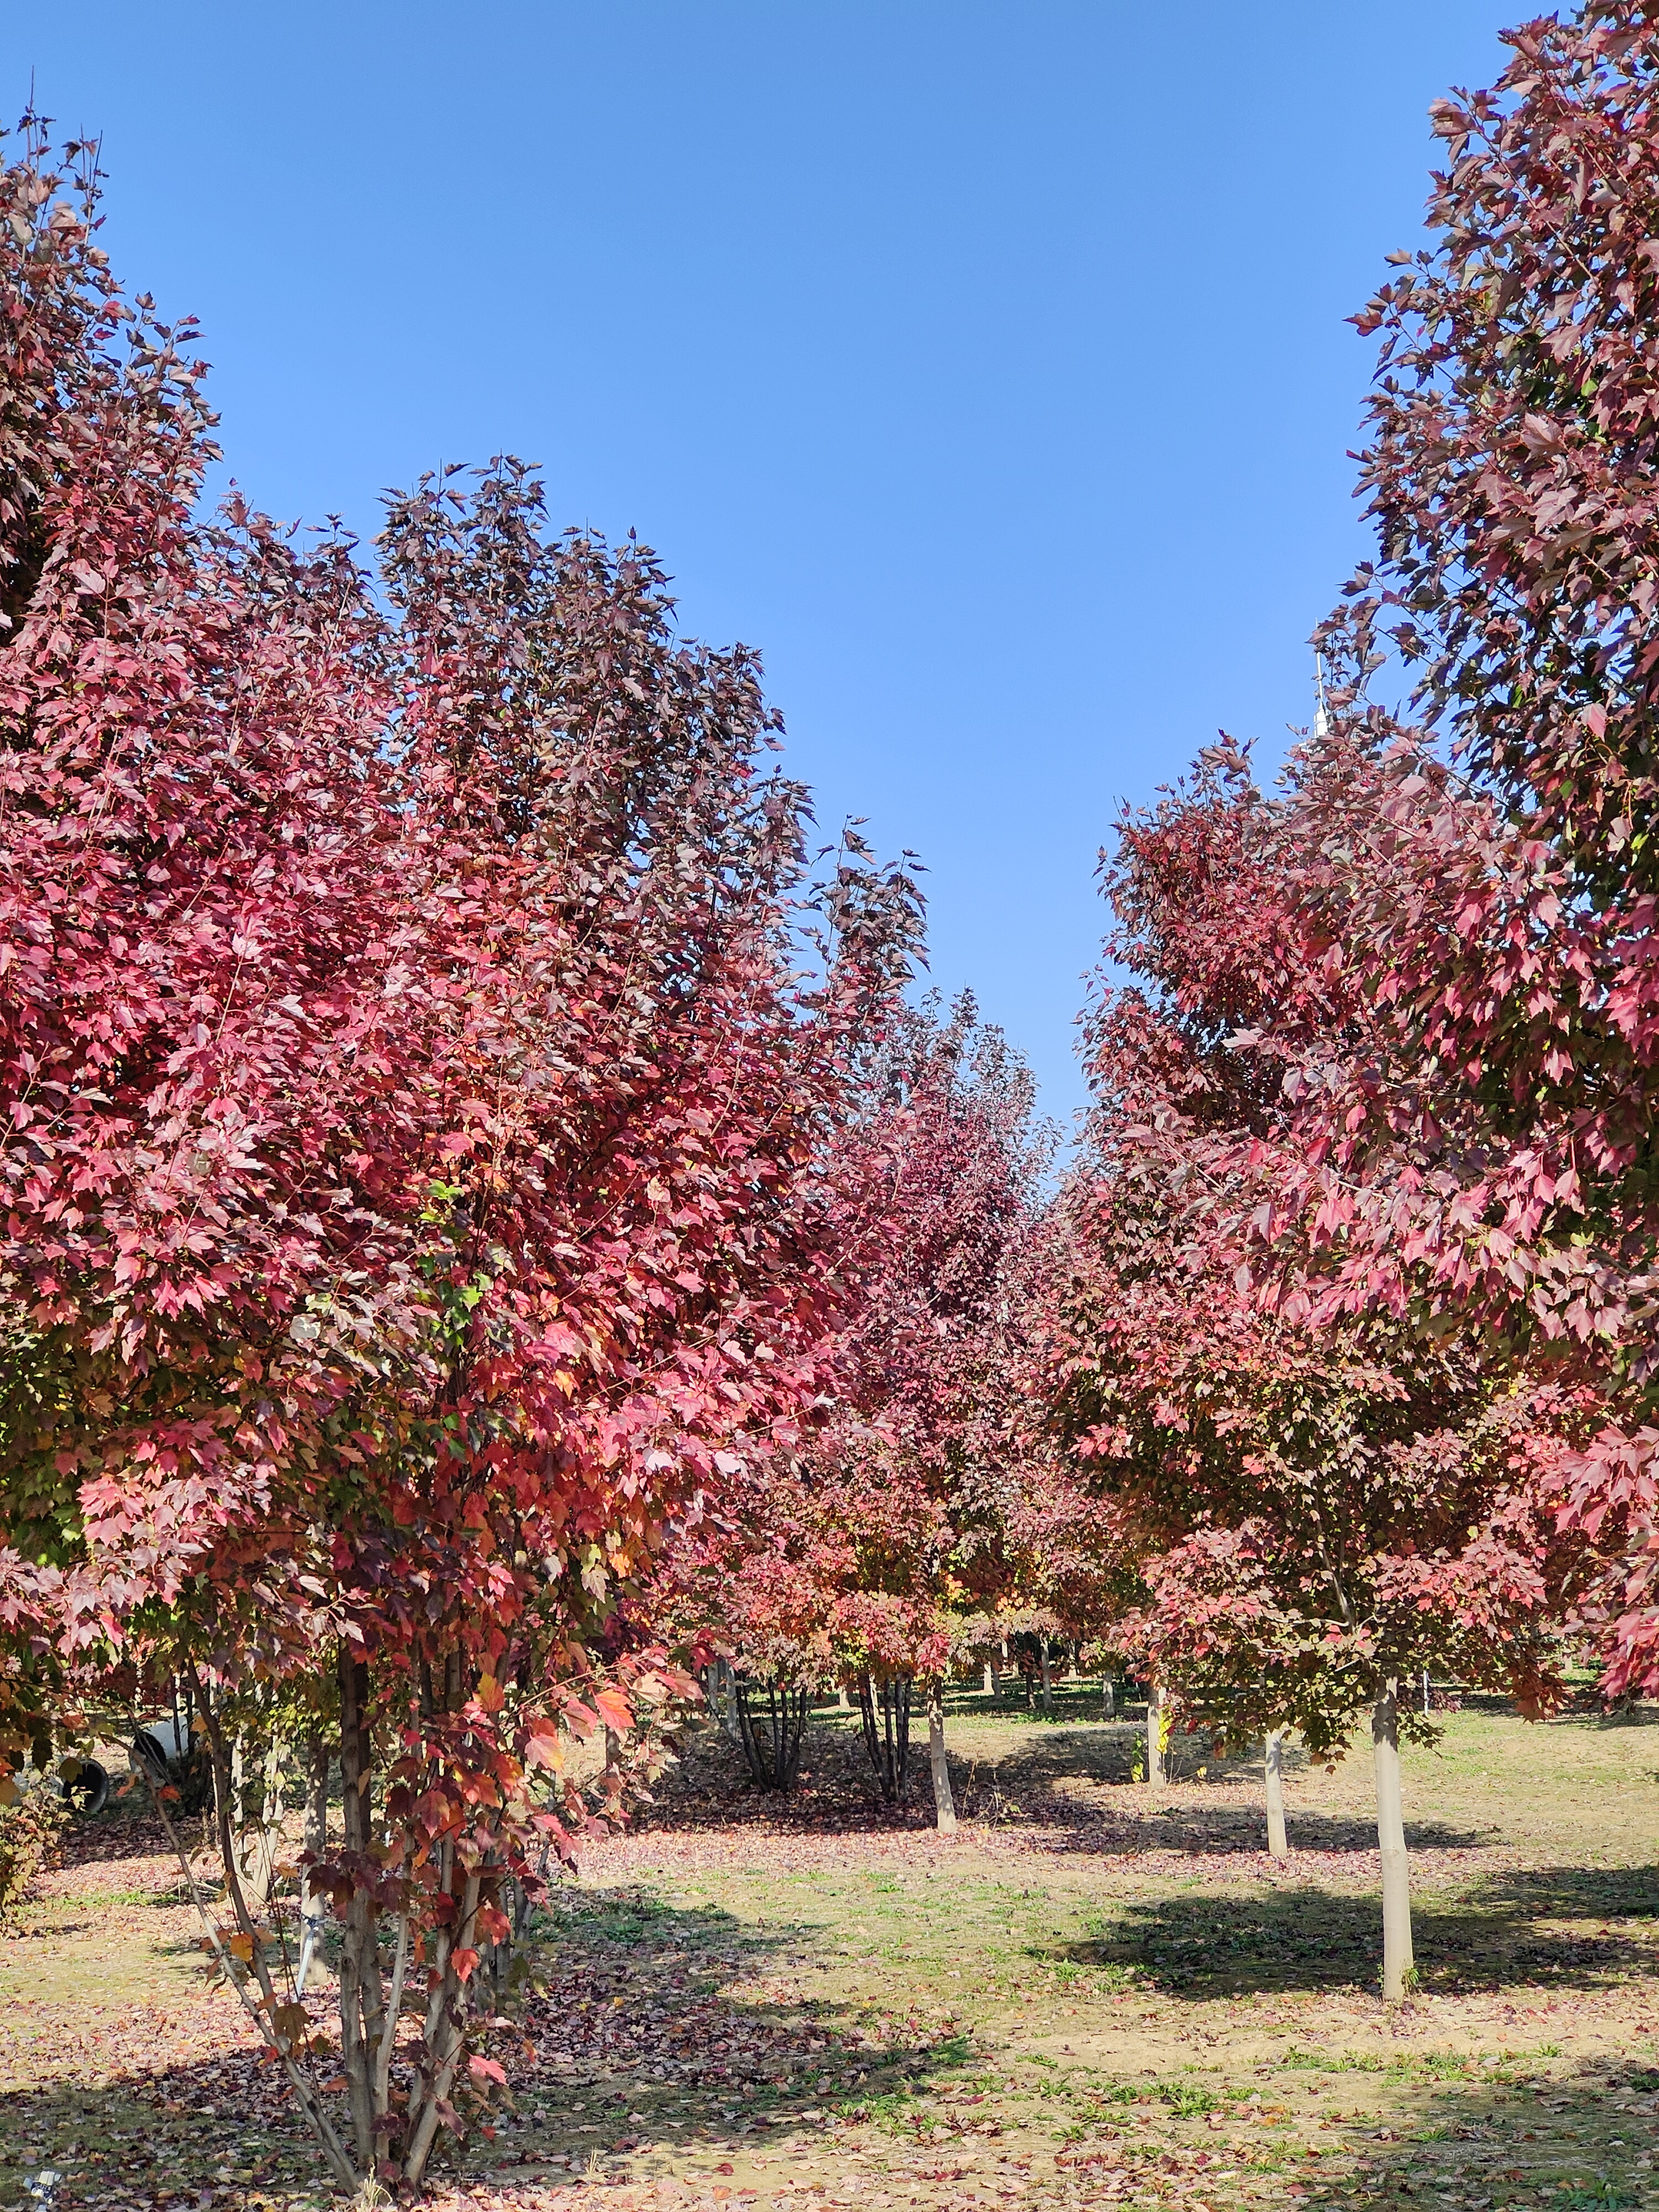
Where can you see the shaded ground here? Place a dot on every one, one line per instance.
(1097, 1994)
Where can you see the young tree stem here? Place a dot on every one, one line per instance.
(1397, 1962)
(1272, 1764)
(945, 1809)
(316, 1843)
(310, 2103)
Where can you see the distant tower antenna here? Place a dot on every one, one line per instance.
(1321, 727)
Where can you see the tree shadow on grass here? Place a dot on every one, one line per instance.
(1069, 1788)
(1483, 2134)
(644, 2047)
(214, 2127)
(711, 1787)
(1552, 1928)
(1069, 1785)
(640, 2044)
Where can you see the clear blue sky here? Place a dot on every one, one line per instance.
(984, 364)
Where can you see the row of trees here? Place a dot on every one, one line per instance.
(1340, 1327)
(923, 1526)
(484, 1233)
(487, 1234)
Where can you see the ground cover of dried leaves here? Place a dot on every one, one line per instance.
(1096, 1994)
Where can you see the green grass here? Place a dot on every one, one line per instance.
(1108, 1996)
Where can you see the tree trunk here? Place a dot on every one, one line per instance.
(393, 2128)
(1155, 1774)
(1397, 1962)
(720, 1688)
(270, 1821)
(362, 1990)
(842, 1699)
(445, 2021)
(772, 1739)
(1272, 1764)
(884, 1708)
(945, 1810)
(990, 1681)
(249, 1962)
(1109, 1697)
(1048, 1679)
(312, 1909)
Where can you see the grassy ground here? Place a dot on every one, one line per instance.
(1097, 1993)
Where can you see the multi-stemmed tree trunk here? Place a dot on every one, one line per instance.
(884, 1708)
(256, 1807)
(394, 2125)
(945, 1809)
(1048, 1679)
(363, 1985)
(1398, 1967)
(772, 1719)
(1273, 1768)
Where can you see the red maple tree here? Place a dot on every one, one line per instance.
(418, 1078)
(1320, 1506)
(873, 1560)
(1483, 873)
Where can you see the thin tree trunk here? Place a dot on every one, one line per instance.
(720, 1688)
(311, 1900)
(1397, 1961)
(945, 1810)
(263, 2014)
(1109, 1697)
(1155, 1775)
(990, 1681)
(1048, 1679)
(1272, 1764)
(723, 1699)
(842, 1699)
(362, 1996)
(446, 2027)
(258, 1847)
